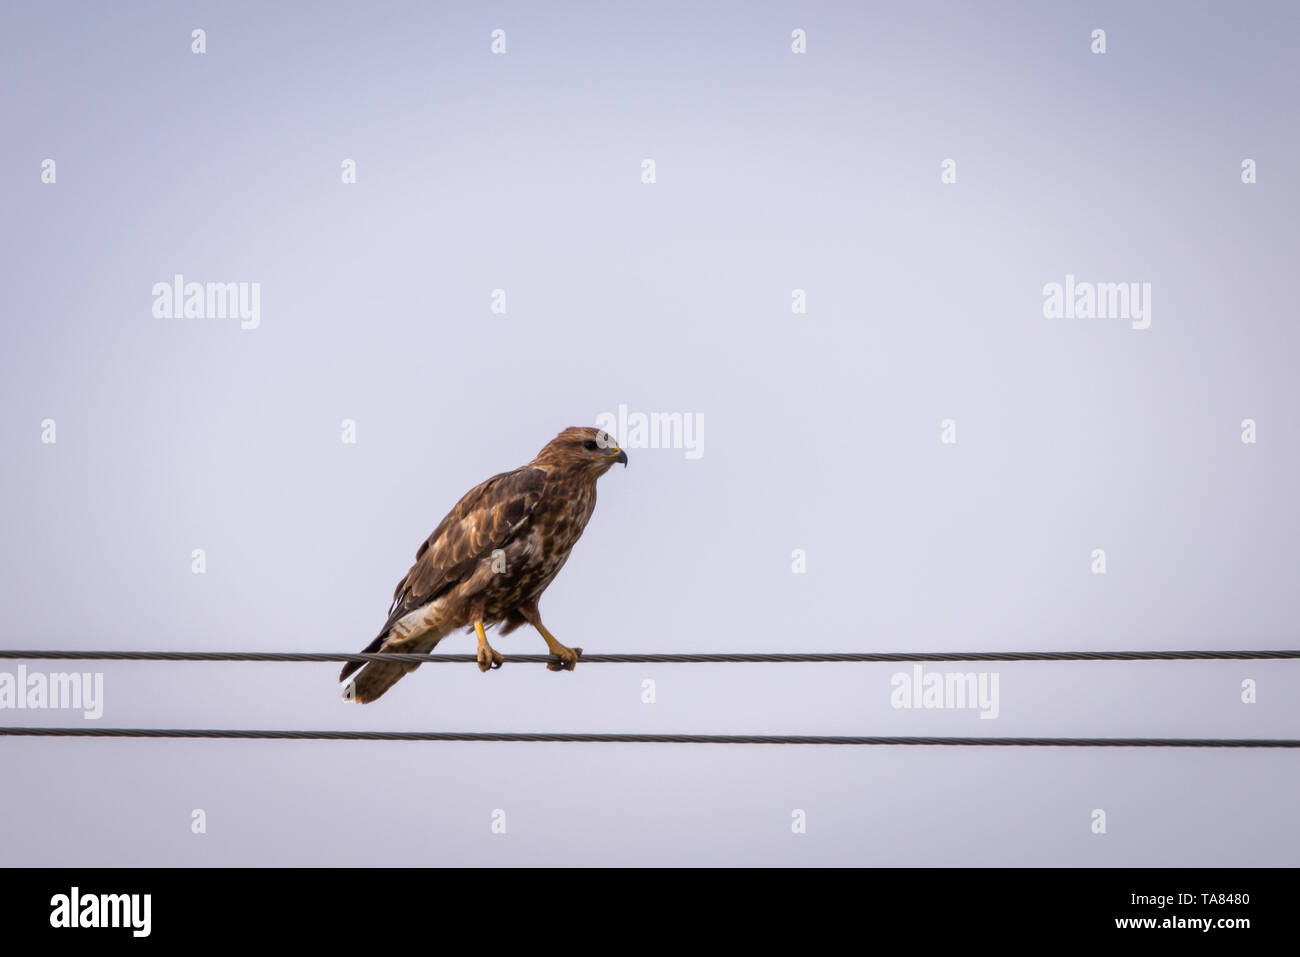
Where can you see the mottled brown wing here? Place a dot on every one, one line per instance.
(483, 520)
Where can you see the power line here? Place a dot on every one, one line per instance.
(602, 738)
(548, 737)
(777, 658)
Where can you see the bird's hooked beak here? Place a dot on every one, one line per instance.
(621, 457)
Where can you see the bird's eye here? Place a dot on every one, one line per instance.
(590, 445)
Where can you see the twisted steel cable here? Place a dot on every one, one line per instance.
(615, 738)
(725, 658)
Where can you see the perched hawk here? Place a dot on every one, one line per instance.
(491, 558)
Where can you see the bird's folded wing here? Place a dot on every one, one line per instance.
(483, 520)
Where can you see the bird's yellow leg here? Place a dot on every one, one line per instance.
(488, 657)
(568, 656)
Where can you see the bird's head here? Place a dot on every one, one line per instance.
(582, 449)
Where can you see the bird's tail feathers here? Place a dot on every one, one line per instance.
(417, 633)
(352, 666)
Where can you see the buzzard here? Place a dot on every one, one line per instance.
(491, 558)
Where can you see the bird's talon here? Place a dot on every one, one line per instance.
(568, 659)
(489, 659)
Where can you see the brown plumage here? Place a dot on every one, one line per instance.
(491, 558)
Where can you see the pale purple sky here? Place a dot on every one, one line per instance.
(775, 171)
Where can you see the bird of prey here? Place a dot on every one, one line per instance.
(491, 558)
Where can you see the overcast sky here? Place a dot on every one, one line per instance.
(823, 431)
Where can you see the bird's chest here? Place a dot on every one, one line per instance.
(536, 555)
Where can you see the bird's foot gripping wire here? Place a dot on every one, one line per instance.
(568, 658)
(488, 657)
